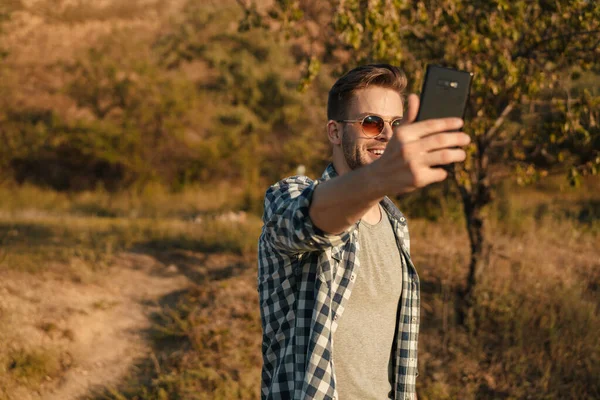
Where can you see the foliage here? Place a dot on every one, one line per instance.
(174, 107)
(515, 49)
(3, 17)
(264, 119)
(5, 12)
(145, 111)
(199, 101)
(577, 119)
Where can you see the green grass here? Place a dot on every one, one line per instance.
(37, 244)
(152, 201)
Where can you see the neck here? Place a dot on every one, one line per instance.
(373, 216)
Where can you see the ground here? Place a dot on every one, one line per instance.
(99, 329)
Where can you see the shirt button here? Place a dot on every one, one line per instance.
(352, 277)
(414, 319)
(335, 317)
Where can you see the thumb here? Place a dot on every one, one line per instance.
(413, 108)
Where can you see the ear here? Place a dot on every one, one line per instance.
(334, 132)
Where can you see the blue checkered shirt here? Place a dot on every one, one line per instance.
(305, 277)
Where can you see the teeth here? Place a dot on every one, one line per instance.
(378, 152)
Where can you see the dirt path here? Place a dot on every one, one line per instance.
(95, 330)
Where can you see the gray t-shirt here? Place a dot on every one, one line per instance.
(362, 343)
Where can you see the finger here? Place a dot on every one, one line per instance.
(430, 176)
(444, 140)
(431, 126)
(412, 109)
(443, 157)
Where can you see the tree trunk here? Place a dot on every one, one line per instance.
(480, 248)
(475, 194)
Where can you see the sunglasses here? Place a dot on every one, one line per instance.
(372, 125)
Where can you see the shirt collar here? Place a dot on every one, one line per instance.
(329, 173)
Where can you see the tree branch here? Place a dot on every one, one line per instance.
(528, 52)
(245, 7)
(465, 192)
(493, 131)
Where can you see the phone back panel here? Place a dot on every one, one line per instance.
(445, 93)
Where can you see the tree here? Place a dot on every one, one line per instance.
(260, 125)
(6, 9)
(140, 112)
(516, 50)
(568, 124)
(196, 100)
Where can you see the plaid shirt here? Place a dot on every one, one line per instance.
(305, 277)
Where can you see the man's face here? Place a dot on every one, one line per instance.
(359, 149)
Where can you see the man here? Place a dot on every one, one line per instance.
(339, 294)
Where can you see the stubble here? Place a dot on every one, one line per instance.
(355, 158)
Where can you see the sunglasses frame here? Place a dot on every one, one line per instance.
(361, 121)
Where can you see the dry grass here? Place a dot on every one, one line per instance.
(47, 238)
(31, 367)
(42, 230)
(80, 246)
(532, 334)
(152, 201)
(219, 327)
(533, 331)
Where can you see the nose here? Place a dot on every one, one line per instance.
(386, 133)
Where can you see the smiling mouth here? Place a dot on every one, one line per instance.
(377, 152)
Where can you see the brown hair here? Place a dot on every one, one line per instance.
(382, 75)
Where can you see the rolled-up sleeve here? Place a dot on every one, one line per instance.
(287, 224)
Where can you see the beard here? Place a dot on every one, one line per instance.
(355, 156)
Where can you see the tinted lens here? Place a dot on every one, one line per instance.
(372, 125)
(396, 123)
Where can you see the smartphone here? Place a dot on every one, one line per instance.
(445, 93)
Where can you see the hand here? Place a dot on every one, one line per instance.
(415, 148)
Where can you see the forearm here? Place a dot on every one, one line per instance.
(288, 226)
(339, 203)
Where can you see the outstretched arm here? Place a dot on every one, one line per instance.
(407, 164)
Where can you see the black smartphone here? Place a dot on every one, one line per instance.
(445, 93)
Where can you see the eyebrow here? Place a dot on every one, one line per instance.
(362, 115)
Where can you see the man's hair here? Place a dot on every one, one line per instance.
(342, 92)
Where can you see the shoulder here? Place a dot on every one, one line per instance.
(290, 187)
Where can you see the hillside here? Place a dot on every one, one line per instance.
(138, 139)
